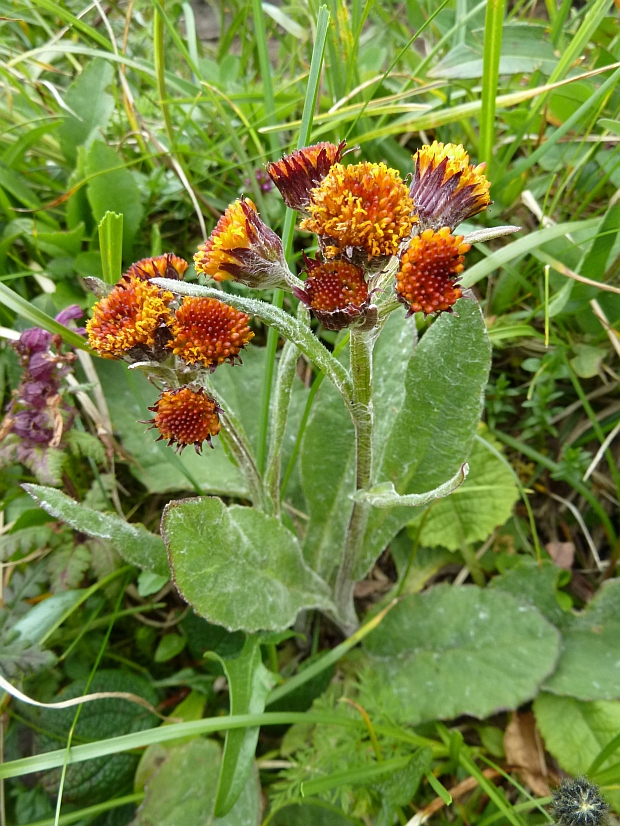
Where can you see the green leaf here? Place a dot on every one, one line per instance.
(400, 787)
(575, 732)
(457, 650)
(100, 778)
(169, 646)
(88, 99)
(111, 246)
(589, 663)
(535, 584)
(385, 495)
(41, 618)
(132, 540)
(484, 501)
(182, 789)
(612, 125)
(112, 188)
(249, 683)
(433, 428)
(239, 567)
(312, 813)
(150, 583)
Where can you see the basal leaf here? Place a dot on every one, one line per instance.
(132, 540)
(484, 501)
(249, 683)
(92, 105)
(239, 567)
(589, 664)
(181, 789)
(457, 650)
(432, 432)
(536, 585)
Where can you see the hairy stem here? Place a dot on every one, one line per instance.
(279, 416)
(237, 444)
(362, 412)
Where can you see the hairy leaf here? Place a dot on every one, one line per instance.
(238, 567)
(132, 540)
(484, 501)
(433, 430)
(457, 650)
(589, 665)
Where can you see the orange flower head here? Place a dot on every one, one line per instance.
(297, 174)
(186, 416)
(208, 332)
(364, 206)
(426, 281)
(131, 321)
(336, 292)
(446, 189)
(167, 265)
(242, 247)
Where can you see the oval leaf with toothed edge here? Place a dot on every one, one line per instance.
(238, 567)
(457, 650)
(133, 542)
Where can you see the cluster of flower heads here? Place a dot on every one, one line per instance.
(138, 322)
(364, 217)
(38, 414)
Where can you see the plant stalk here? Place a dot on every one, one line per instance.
(362, 413)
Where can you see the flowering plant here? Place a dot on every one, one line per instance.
(394, 431)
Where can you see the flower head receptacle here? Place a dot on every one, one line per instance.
(243, 248)
(579, 802)
(132, 321)
(295, 175)
(364, 207)
(167, 265)
(208, 332)
(336, 293)
(446, 189)
(426, 280)
(187, 416)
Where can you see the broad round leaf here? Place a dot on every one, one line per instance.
(589, 665)
(457, 650)
(238, 567)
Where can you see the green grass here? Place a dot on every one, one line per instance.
(168, 129)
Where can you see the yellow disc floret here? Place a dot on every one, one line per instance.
(129, 316)
(365, 206)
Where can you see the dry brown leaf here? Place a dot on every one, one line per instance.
(562, 553)
(525, 753)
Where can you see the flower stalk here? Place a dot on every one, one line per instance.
(362, 343)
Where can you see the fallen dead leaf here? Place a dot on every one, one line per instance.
(562, 553)
(525, 753)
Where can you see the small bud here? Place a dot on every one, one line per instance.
(336, 292)
(297, 174)
(578, 802)
(186, 416)
(426, 280)
(242, 247)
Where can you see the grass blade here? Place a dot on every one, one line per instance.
(494, 22)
